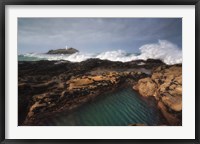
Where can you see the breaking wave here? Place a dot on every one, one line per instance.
(164, 50)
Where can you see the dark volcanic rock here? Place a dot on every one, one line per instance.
(63, 51)
(73, 93)
(49, 87)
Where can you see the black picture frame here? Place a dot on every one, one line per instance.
(4, 3)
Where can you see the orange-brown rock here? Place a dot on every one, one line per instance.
(165, 84)
(49, 87)
(146, 87)
(171, 118)
(77, 91)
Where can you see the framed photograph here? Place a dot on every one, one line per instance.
(99, 71)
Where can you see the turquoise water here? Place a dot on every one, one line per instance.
(77, 57)
(120, 108)
(29, 58)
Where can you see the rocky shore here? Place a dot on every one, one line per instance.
(46, 88)
(165, 84)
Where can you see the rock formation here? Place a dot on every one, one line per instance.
(165, 84)
(47, 88)
(63, 51)
(71, 94)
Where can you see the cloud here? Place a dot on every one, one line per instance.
(95, 34)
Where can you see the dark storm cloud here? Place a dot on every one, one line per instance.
(95, 34)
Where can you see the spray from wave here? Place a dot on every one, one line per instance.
(164, 50)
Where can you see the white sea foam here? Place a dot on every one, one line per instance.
(163, 50)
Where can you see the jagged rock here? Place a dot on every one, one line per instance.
(78, 89)
(146, 87)
(166, 85)
(172, 119)
(50, 87)
(174, 103)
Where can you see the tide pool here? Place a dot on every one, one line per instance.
(120, 108)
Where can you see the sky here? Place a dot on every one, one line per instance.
(95, 35)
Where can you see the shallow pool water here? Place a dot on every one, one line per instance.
(120, 108)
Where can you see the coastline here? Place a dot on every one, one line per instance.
(50, 87)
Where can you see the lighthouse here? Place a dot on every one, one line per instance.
(66, 47)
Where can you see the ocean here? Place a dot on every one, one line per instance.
(119, 108)
(163, 50)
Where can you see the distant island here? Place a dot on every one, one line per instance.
(63, 51)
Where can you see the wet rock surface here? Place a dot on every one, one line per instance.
(47, 88)
(165, 84)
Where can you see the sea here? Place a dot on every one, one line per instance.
(164, 50)
(120, 108)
